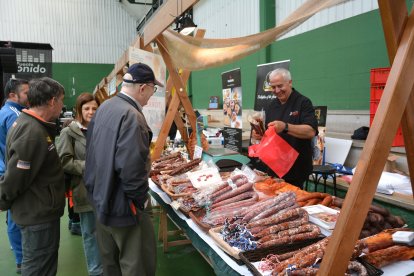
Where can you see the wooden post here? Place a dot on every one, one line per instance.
(369, 168)
(180, 96)
(394, 18)
(185, 75)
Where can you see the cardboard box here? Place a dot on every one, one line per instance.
(391, 164)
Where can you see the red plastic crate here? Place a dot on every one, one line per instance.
(398, 139)
(376, 92)
(373, 106)
(379, 75)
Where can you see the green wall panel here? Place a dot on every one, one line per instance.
(207, 83)
(330, 64)
(86, 75)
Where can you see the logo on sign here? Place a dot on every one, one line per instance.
(31, 68)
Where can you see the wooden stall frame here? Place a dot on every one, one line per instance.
(398, 93)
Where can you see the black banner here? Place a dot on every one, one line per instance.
(264, 97)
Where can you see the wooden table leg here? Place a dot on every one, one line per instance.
(163, 233)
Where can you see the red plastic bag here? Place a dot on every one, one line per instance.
(275, 152)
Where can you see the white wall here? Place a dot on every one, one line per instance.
(80, 31)
(325, 17)
(226, 19)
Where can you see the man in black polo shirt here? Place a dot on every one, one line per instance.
(293, 118)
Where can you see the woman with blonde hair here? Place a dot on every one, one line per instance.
(72, 148)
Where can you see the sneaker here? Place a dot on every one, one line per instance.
(75, 229)
(19, 268)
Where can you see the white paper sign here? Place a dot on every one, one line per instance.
(198, 152)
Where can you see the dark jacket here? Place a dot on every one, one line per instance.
(71, 147)
(297, 110)
(117, 161)
(33, 185)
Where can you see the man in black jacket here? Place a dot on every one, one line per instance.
(116, 176)
(33, 185)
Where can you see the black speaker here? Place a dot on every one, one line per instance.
(8, 63)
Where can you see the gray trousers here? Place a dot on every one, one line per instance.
(129, 250)
(40, 248)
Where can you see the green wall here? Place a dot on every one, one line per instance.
(331, 64)
(86, 75)
(207, 83)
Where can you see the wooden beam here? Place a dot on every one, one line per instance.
(164, 17)
(369, 168)
(394, 18)
(407, 124)
(185, 75)
(182, 96)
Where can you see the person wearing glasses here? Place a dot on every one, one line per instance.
(15, 94)
(293, 117)
(116, 176)
(33, 185)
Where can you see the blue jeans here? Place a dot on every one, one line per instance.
(90, 245)
(40, 248)
(15, 238)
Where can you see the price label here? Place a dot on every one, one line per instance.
(175, 204)
(198, 152)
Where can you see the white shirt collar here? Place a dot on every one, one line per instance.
(139, 106)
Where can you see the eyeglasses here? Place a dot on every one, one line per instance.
(153, 86)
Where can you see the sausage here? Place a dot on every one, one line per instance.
(226, 188)
(239, 204)
(289, 201)
(312, 201)
(311, 196)
(305, 261)
(357, 267)
(282, 226)
(379, 210)
(327, 200)
(277, 218)
(337, 202)
(290, 232)
(237, 198)
(269, 203)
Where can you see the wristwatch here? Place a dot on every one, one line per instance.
(286, 129)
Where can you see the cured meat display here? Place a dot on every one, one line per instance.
(251, 212)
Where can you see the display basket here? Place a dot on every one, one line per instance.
(371, 269)
(260, 253)
(171, 194)
(197, 217)
(248, 257)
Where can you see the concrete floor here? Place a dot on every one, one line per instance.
(180, 260)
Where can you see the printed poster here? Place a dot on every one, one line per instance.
(154, 111)
(318, 141)
(232, 98)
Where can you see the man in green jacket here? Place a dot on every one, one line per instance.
(33, 184)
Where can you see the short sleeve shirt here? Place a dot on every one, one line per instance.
(298, 110)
